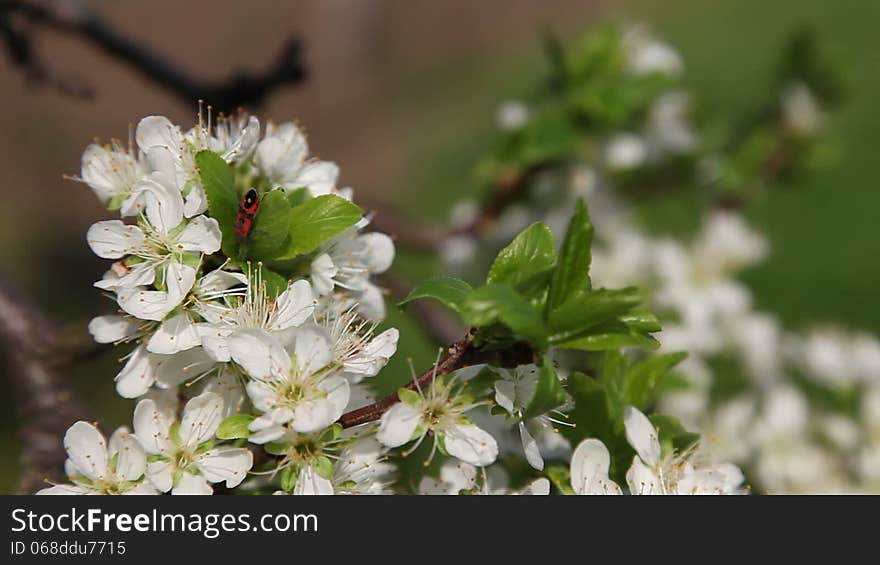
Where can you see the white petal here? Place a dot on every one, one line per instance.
(398, 424)
(641, 479)
(530, 447)
(505, 394)
(157, 130)
(145, 487)
(108, 329)
(226, 463)
(192, 485)
(175, 334)
(152, 426)
(138, 374)
(109, 173)
(371, 303)
(132, 461)
(111, 239)
(295, 306)
(538, 487)
(471, 444)
(65, 490)
(311, 483)
(201, 234)
(374, 356)
(87, 450)
(219, 280)
(323, 271)
(162, 201)
(161, 473)
(201, 418)
(312, 349)
(172, 370)
(154, 304)
(642, 436)
(313, 415)
(259, 354)
(380, 252)
(195, 202)
(590, 463)
(318, 176)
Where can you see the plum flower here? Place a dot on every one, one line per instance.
(282, 156)
(96, 467)
(295, 389)
(183, 457)
(439, 410)
(347, 262)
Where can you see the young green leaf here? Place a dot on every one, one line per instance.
(235, 427)
(642, 378)
(448, 290)
(530, 252)
(673, 434)
(317, 220)
(217, 179)
(499, 303)
(578, 315)
(271, 226)
(549, 393)
(572, 273)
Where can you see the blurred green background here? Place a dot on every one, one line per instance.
(402, 95)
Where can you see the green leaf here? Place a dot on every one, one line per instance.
(271, 226)
(613, 374)
(219, 184)
(288, 476)
(572, 273)
(614, 339)
(585, 311)
(673, 435)
(317, 220)
(549, 393)
(409, 397)
(530, 253)
(499, 303)
(642, 378)
(278, 448)
(323, 466)
(560, 475)
(448, 290)
(235, 426)
(297, 196)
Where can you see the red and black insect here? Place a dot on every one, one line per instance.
(247, 211)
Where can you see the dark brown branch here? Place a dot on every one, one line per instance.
(45, 402)
(241, 89)
(461, 354)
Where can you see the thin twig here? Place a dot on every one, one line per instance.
(45, 402)
(241, 89)
(461, 354)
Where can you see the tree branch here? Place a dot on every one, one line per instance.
(45, 402)
(461, 354)
(241, 89)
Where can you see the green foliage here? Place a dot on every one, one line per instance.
(448, 290)
(501, 304)
(572, 273)
(315, 221)
(219, 183)
(271, 226)
(530, 254)
(235, 427)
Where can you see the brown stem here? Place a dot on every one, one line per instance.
(46, 403)
(241, 89)
(461, 354)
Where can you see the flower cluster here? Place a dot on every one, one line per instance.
(219, 315)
